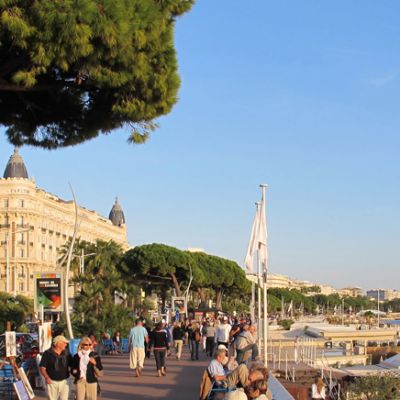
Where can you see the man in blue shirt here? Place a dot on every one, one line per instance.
(137, 337)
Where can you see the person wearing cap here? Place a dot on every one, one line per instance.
(54, 367)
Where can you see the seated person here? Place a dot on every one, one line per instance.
(257, 373)
(116, 342)
(257, 390)
(235, 378)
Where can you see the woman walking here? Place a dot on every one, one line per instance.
(85, 363)
(160, 346)
(178, 334)
(195, 338)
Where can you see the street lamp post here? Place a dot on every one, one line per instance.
(379, 311)
(343, 311)
(82, 260)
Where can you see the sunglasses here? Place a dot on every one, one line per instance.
(86, 344)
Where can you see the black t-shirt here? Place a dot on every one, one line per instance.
(159, 339)
(178, 333)
(57, 366)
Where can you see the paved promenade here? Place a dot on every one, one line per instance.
(181, 383)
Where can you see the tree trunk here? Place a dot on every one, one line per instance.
(218, 300)
(202, 294)
(176, 285)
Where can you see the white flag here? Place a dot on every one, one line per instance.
(262, 235)
(252, 247)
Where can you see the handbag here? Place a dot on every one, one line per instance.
(98, 372)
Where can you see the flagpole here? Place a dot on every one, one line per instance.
(265, 262)
(253, 302)
(259, 327)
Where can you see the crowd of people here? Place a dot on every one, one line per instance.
(234, 371)
(231, 343)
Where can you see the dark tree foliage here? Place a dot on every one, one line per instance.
(72, 69)
(158, 264)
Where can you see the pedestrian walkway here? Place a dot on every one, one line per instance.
(181, 383)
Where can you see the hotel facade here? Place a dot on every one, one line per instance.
(35, 224)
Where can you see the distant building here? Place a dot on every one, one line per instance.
(278, 281)
(350, 292)
(34, 224)
(327, 290)
(384, 294)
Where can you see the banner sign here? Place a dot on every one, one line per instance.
(45, 336)
(179, 305)
(11, 344)
(49, 292)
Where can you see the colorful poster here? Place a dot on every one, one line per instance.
(48, 292)
(11, 344)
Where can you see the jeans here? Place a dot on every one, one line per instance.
(194, 349)
(240, 353)
(210, 346)
(159, 355)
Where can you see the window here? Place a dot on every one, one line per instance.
(22, 271)
(5, 203)
(21, 253)
(21, 220)
(21, 286)
(22, 203)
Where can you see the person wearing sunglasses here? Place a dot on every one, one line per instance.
(86, 365)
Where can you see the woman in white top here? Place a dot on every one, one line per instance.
(318, 389)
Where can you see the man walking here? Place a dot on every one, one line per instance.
(54, 367)
(137, 338)
(222, 333)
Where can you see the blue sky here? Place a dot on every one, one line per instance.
(300, 95)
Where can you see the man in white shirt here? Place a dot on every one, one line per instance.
(222, 333)
(217, 372)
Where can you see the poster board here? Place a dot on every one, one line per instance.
(20, 389)
(11, 344)
(179, 305)
(26, 383)
(44, 336)
(49, 292)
